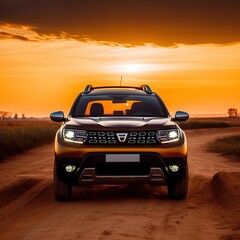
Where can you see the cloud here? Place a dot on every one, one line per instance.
(5, 35)
(133, 22)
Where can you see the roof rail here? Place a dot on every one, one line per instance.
(146, 89)
(88, 89)
(115, 87)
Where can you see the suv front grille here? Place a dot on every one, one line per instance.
(121, 138)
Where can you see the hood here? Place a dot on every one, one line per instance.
(121, 123)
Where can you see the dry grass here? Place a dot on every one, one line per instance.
(200, 123)
(227, 146)
(18, 136)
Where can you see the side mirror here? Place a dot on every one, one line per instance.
(57, 116)
(181, 116)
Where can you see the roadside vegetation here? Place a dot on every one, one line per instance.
(229, 146)
(18, 136)
(200, 123)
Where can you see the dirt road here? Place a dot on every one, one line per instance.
(211, 211)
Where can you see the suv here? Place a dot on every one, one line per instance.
(120, 135)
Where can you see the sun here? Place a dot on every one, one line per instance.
(137, 68)
(132, 68)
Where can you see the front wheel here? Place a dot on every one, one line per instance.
(179, 189)
(62, 190)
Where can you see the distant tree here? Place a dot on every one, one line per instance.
(235, 112)
(23, 116)
(16, 116)
(232, 112)
(4, 114)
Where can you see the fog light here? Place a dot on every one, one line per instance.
(174, 168)
(70, 168)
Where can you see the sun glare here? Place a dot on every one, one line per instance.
(139, 68)
(132, 67)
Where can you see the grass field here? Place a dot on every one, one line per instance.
(226, 146)
(199, 123)
(17, 136)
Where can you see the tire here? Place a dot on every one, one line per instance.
(62, 190)
(179, 189)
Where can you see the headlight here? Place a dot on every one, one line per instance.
(74, 135)
(167, 136)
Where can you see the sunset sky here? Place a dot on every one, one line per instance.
(187, 51)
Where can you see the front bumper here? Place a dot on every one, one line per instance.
(93, 169)
(91, 166)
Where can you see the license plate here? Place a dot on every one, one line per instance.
(122, 157)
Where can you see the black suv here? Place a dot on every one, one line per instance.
(120, 135)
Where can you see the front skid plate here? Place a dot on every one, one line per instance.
(89, 177)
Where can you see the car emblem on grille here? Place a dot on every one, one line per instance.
(122, 137)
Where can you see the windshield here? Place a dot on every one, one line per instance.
(119, 105)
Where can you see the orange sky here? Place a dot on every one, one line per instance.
(41, 74)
